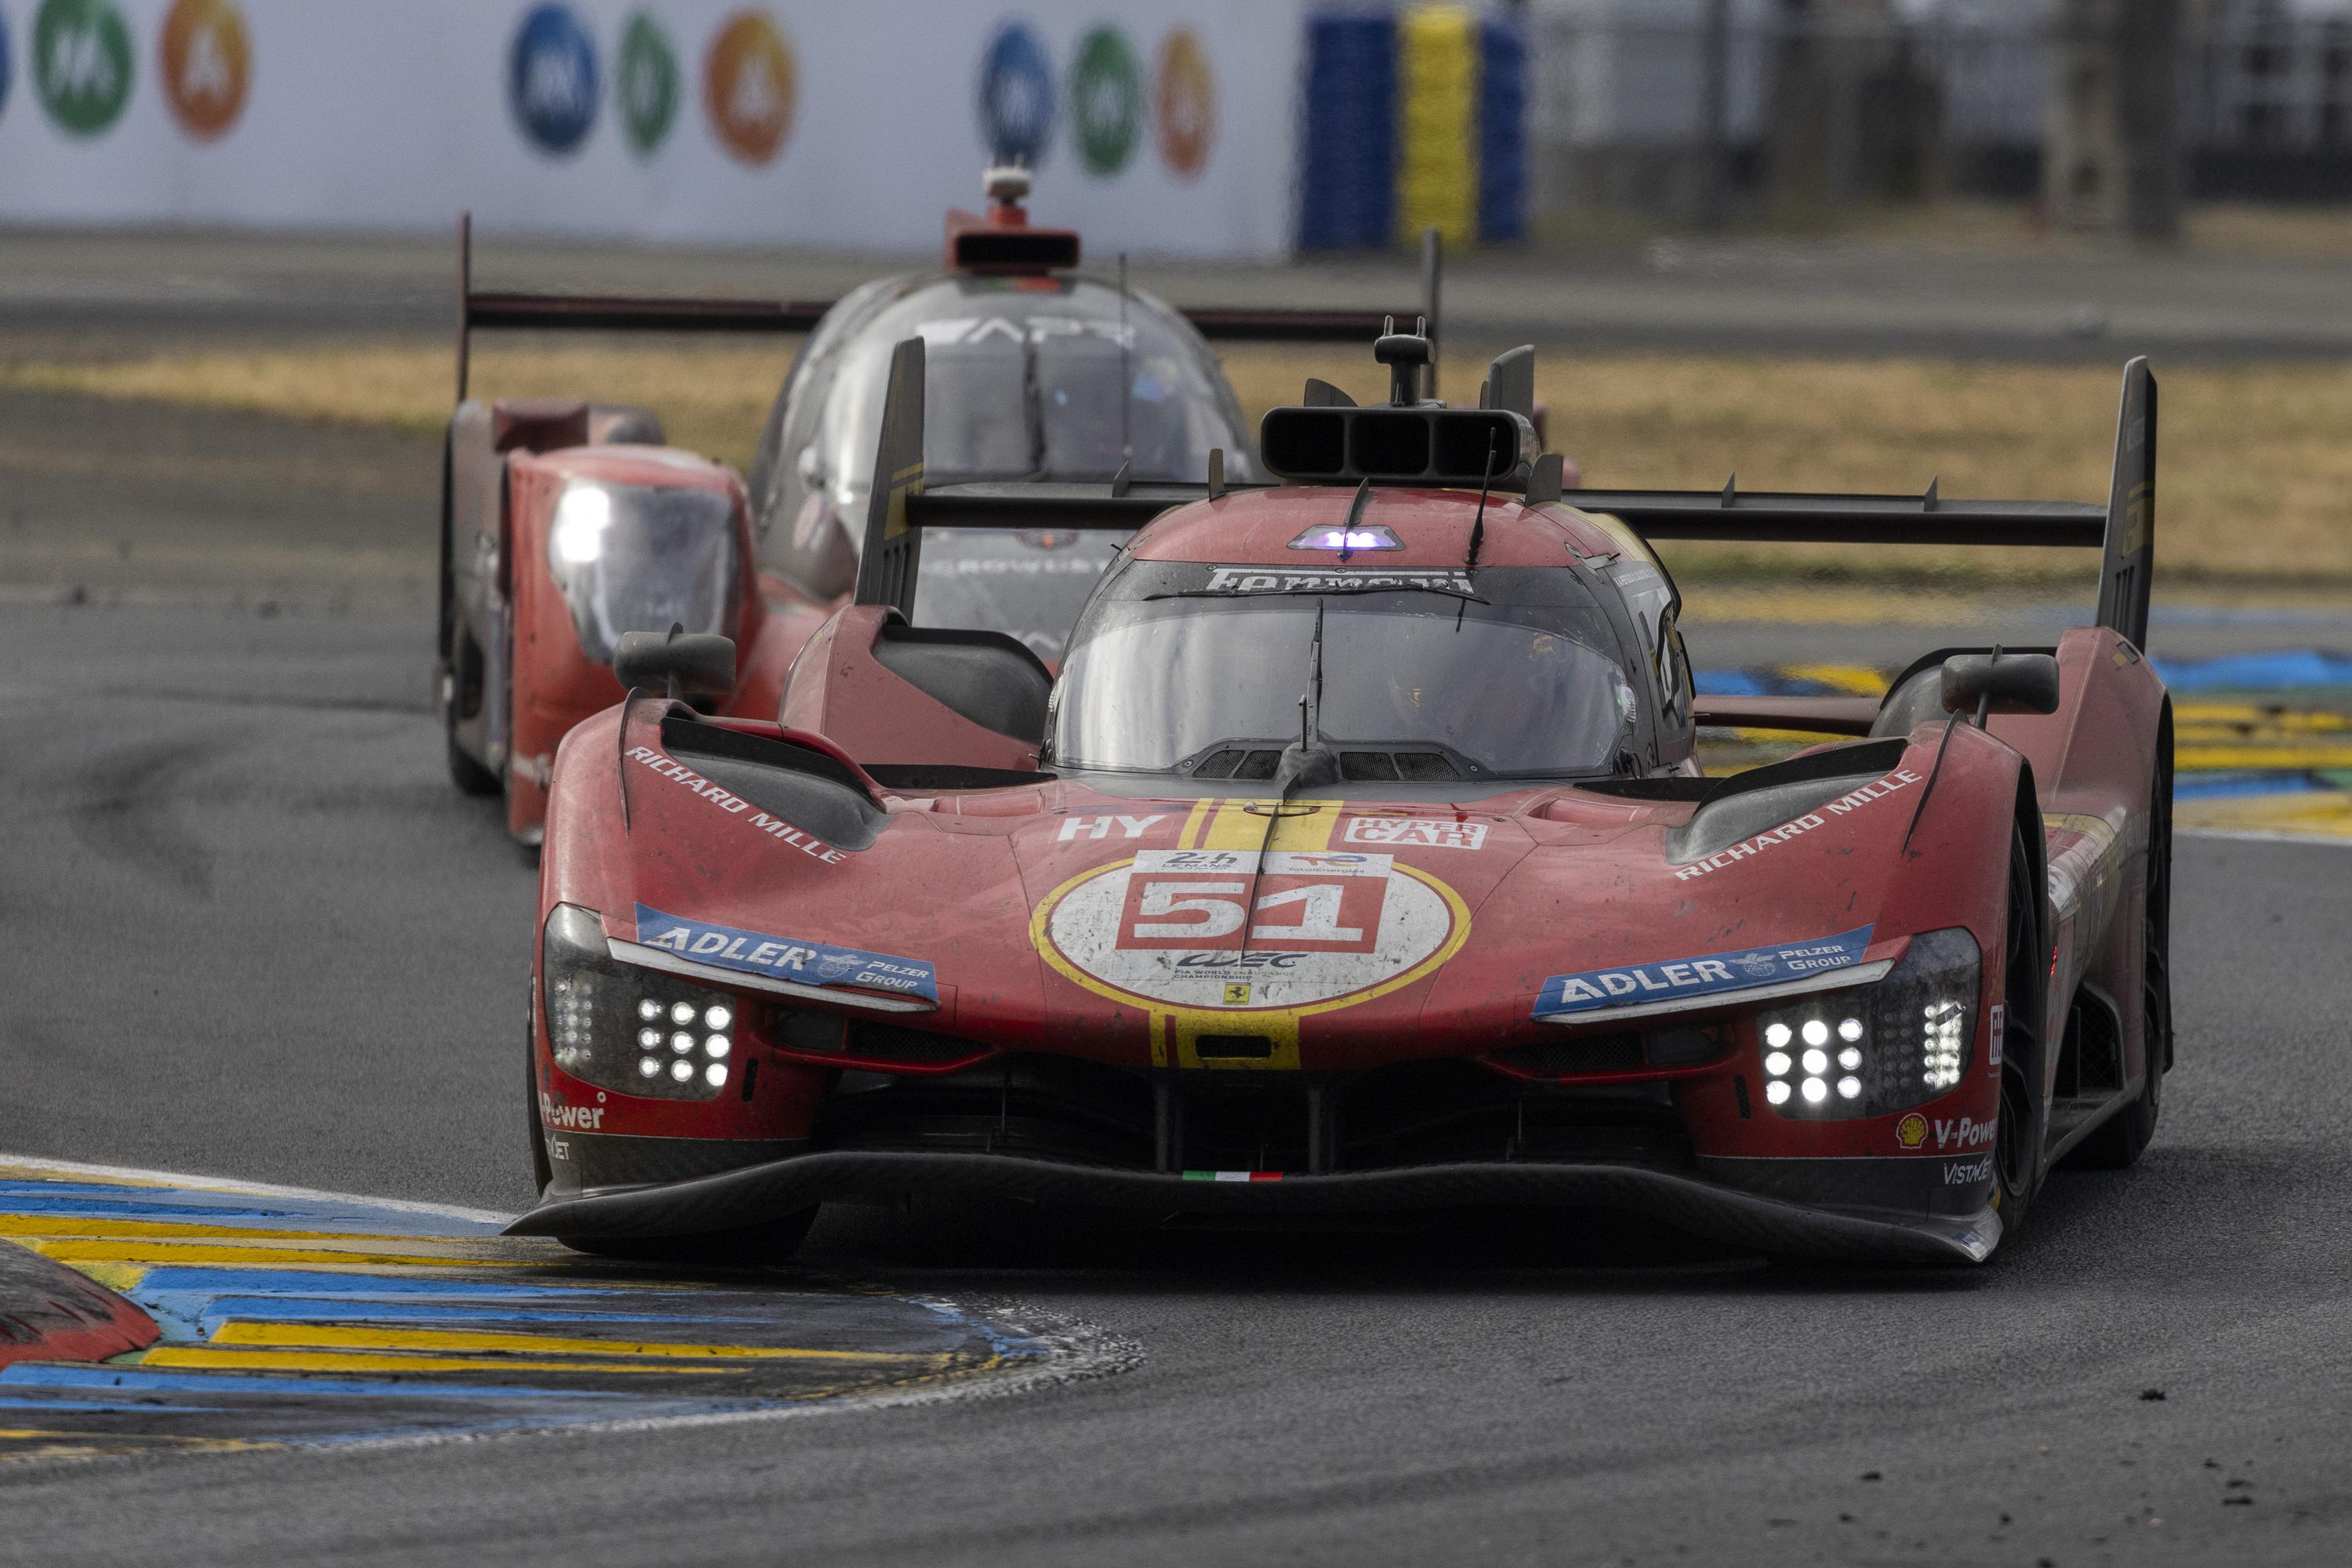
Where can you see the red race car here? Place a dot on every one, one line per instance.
(567, 525)
(1357, 859)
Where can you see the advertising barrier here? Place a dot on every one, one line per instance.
(1159, 126)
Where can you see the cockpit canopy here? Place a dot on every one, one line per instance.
(1197, 671)
(1028, 378)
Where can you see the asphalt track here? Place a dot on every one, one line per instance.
(122, 293)
(251, 932)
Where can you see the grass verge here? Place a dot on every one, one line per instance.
(2256, 476)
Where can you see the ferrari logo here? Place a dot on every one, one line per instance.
(1238, 994)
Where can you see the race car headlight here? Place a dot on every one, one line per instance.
(637, 558)
(1875, 1048)
(622, 1027)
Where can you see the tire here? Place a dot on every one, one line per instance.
(2018, 1144)
(470, 777)
(2117, 1143)
(543, 1173)
(760, 1246)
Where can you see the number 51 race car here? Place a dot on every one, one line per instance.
(1358, 859)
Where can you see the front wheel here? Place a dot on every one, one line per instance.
(468, 776)
(542, 1172)
(2117, 1143)
(2017, 1150)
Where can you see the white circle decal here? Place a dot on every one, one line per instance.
(1205, 928)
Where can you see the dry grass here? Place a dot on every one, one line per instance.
(713, 397)
(2257, 466)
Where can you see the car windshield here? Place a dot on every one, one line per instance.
(1027, 385)
(1030, 584)
(1171, 673)
(1024, 378)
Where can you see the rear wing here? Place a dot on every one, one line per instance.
(2125, 529)
(482, 311)
(901, 507)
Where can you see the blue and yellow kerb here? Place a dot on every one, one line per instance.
(302, 1320)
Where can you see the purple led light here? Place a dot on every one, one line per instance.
(1373, 538)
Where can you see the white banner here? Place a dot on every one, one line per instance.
(1171, 130)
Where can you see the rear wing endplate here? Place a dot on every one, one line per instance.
(639, 313)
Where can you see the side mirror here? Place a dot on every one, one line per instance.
(2013, 683)
(682, 663)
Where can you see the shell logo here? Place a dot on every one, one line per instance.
(1184, 105)
(750, 83)
(207, 58)
(1912, 1130)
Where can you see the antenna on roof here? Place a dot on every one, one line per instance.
(1126, 374)
(1432, 269)
(1478, 523)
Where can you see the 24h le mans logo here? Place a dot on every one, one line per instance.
(1195, 929)
(82, 64)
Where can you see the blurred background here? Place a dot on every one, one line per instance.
(1856, 243)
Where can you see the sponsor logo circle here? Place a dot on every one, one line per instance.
(82, 64)
(750, 82)
(1017, 96)
(1912, 1130)
(647, 83)
(1184, 105)
(1106, 101)
(1098, 929)
(552, 79)
(207, 66)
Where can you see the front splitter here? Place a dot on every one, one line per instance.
(779, 1187)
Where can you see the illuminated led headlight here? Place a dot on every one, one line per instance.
(612, 1024)
(1875, 1048)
